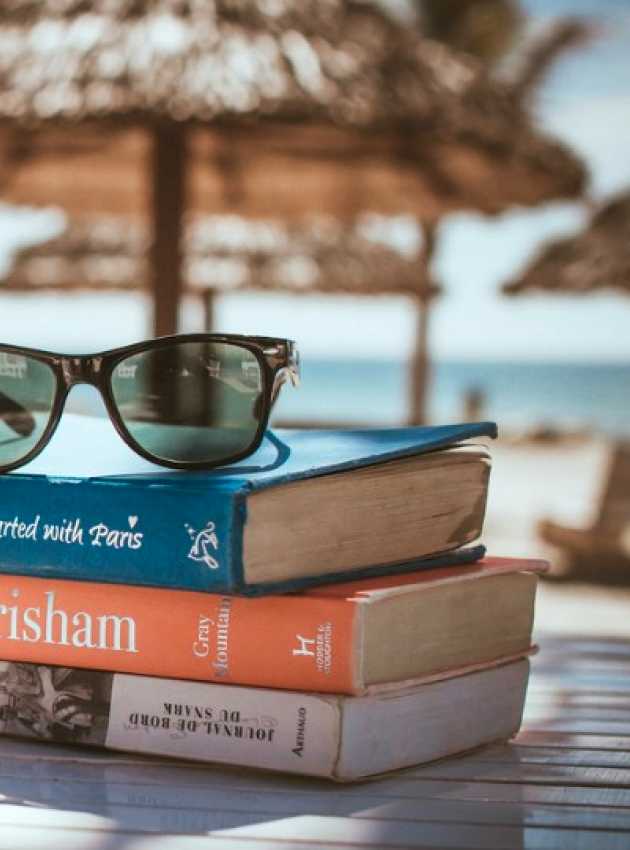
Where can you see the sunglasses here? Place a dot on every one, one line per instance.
(190, 401)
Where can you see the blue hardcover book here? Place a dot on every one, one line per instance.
(308, 507)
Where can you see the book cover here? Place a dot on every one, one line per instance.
(342, 738)
(66, 515)
(307, 641)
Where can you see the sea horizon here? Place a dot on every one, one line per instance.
(521, 396)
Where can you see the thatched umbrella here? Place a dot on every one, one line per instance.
(224, 254)
(596, 258)
(259, 108)
(317, 83)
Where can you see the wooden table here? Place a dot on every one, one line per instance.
(563, 783)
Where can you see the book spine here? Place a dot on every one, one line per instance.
(295, 642)
(148, 534)
(277, 730)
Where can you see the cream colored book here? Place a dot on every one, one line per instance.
(338, 737)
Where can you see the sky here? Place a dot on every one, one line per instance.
(585, 101)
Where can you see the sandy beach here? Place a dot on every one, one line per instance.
(560, 480)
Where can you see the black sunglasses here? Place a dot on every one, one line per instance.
(191, 401)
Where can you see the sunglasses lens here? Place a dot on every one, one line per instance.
(27, 394)
(190, 402)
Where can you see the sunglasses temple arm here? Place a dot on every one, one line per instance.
(286, 373)
(16, 417)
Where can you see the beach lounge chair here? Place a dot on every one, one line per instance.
(600, 553)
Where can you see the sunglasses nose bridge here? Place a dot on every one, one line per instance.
(81, 370)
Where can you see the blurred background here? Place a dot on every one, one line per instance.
(431, 196)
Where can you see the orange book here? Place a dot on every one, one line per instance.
(346, 638)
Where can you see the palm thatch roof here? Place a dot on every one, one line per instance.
(597, 258)
(227, 254)
(191, 60)
(338, 68)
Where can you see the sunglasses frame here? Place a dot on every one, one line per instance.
(278, 359)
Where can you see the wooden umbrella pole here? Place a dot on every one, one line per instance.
(209, 298)
(420, 362)
(168, 179)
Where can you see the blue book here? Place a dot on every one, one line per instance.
(309, 507)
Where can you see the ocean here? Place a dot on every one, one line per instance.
(519, 396)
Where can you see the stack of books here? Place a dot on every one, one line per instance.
(315, 608)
